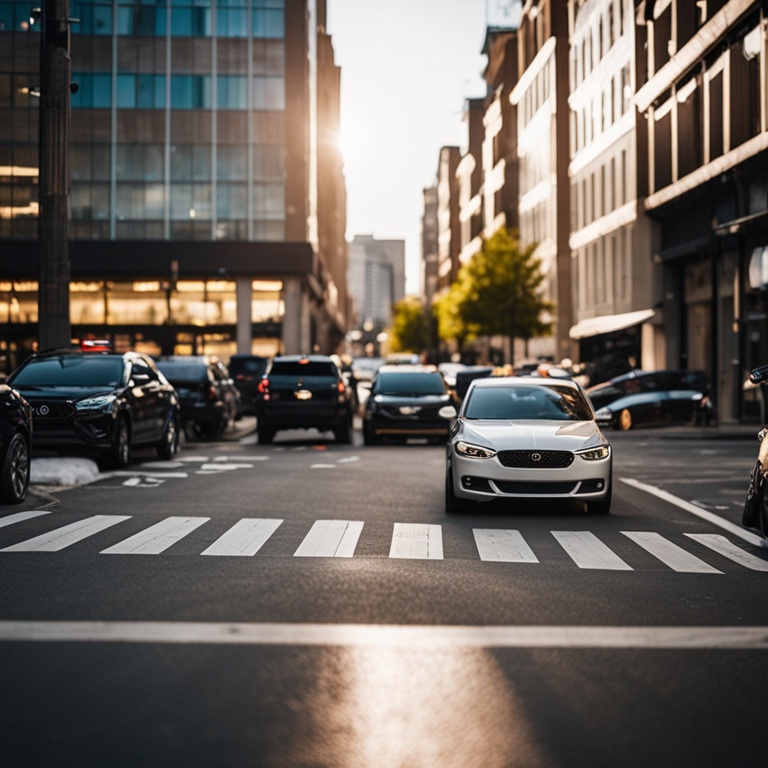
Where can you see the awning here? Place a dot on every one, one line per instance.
(594, 326)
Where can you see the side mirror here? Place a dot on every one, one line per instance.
(447, 412)
(139, 378)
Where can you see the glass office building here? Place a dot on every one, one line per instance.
(199, 220)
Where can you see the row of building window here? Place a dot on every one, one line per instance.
(264, 18)
(134, 91)
(604, 273)
(606, 109)
(609, 26)
(604, 190)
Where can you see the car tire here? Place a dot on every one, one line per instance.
(625, 420)
(453, 504)
(14, 476)
(168, 446)
(343, 433)
(369, 435)
(119, 454)
(265, 435)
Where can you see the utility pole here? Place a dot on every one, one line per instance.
(54, 328)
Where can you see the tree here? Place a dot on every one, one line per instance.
(410, 330)
(498, 292)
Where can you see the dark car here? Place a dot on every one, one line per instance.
(646, 381)
(15, 445)
(651, 409)
(405, 402)
(210, 400)
(247, 371)
(103, 403)
(304, 392)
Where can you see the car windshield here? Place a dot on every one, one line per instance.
(71, 371)
(182, 370)
(410, 383)
(521, 403)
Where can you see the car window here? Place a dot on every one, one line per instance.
(521, 403)
(411, 383)
(184, 370)
(311, 368)
(72, 371)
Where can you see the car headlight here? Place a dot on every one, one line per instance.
(101, 403)
(474, 451)
(596, 453)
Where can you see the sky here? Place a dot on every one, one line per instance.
(407, 67)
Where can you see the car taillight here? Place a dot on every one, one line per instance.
(263, 386)
(341, 387)
(212, 395)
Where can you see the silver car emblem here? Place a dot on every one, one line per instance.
(535, 457)
(43, 410)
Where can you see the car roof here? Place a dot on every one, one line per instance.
(490, 382)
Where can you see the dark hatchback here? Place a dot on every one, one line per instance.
(304, 392)
(247, 371)
(635, 382)
(15, 445)
(210, 400)
(405, 402)
(102, 403)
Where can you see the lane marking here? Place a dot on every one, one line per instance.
(417, 541)
(728, 549)
(331, 538)
(670, 554)
(390, 636)
(587, 551)
(58, 539)
(157, 538)
(19, 516)
(495, 544)
(710, 517)
(245, 538)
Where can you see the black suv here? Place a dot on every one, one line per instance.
(107, 403)
(247, 371)
(209, 399)
(304, 392)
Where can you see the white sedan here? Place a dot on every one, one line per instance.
(526, 438)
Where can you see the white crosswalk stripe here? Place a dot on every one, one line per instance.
(58, 539)
(331, 538)
(244, 539)
(416, 541)
(670, 554)
(587, 551)
(503, 546)
(158, 537)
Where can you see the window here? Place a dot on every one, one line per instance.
(191, 92)
(95, 18)
(232, 92)
(191, 19)
(94, 91)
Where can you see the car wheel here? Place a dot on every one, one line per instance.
(119, 454)
(625, 419)
(14, 476)
(168, 446)
(369, 435)
(453, 504)
(265, 435)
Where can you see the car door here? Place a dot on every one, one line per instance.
(149, 402)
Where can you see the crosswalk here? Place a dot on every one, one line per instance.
(336, 538)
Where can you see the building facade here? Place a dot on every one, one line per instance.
(207, 204)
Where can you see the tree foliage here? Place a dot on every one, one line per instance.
(496, 293)
(409, 331)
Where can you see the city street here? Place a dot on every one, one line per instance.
(307, 603)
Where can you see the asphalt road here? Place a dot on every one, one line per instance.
(207, 612)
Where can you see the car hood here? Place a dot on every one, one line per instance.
(542, 435)
(51, 394)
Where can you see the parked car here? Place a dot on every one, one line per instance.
(651, 409)
(646, 381)
(304, 392)
(15, 445)
(526, 438)
(405, 401)
(247, 371)
(99, 402)
(209, 399)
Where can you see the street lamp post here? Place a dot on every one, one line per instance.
(54, 328)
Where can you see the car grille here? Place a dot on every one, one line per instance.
(535, 489)
(51, 409)
(536, 459)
